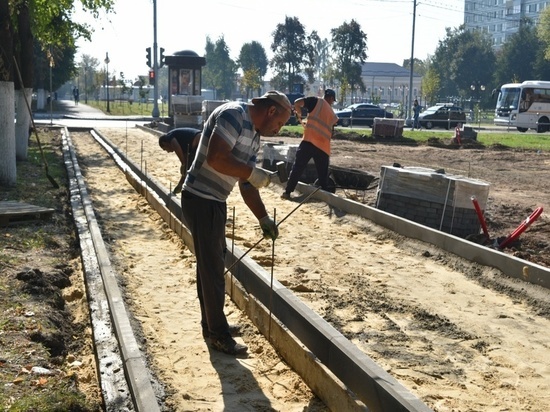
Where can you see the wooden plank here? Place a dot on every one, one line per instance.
(12, 211)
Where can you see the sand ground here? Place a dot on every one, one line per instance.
(457, 335)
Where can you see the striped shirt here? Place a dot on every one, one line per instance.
(231, 121)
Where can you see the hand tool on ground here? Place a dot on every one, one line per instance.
(481, 218)
(281, 173)
(521, 228)
(278, 223)
(179, 186)
(50, 178)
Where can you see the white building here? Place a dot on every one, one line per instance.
(388, 83)
(500, 18)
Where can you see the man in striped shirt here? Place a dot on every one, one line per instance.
(227, 153)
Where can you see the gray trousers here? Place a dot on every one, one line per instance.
(206, 220)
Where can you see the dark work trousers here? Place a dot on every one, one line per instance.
(206, 220)
(305, 152)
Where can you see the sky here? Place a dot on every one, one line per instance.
(184, 25)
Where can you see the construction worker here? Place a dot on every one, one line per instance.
(318, 130)
(227, 152)
(183, 141)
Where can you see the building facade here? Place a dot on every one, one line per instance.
(388, 84)
(500, 18)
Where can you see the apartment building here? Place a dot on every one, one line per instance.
(500, 18)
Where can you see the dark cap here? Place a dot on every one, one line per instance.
(277, 97)
(330, 93)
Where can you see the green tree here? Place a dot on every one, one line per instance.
(420, 66)
(294, 55)
(220, 71)
(464, 59)
(24, 23)
(88, 66)
(518, 58)
(322, 61)
(251, 80)
(349, 44)
(430, 85)
(253, 62)
(543, 31)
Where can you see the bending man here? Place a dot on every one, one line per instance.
(183, 141)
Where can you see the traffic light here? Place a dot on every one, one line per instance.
(152, 77)
(161, 60)
(149, 57)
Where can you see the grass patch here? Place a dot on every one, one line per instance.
(511, 139)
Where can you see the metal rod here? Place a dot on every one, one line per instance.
(278, 224)
(299, 204)
(271, 284)
(232, 241)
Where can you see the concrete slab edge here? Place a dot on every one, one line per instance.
(137, 382)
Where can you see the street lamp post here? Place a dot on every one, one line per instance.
(476, 87)
(107, 79)
(155, 112)
(86, 83)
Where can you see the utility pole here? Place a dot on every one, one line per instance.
(412, 65)
(155, 113)
(107, 61)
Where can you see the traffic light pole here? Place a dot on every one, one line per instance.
(156, 112)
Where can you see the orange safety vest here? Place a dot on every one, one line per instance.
(318, 128)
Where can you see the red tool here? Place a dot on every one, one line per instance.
(521, 228)
(481, 218)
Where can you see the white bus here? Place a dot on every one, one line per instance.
(524, 106)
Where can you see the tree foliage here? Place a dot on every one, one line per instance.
(220, 70)
(294, 54)
(254, 63)
(430, 85)
(543, 31)
(518, 58)
(349, 44)
(462, 59)
(420, 66)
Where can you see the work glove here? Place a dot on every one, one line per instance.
(259, 178)
(269, 228)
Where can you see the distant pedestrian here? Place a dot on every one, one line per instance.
(416, 114)
(318, 130)
(76, 95)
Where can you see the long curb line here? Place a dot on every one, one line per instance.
(509, 265)
(122, 370)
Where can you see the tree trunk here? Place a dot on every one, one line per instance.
(8, 165)
(23, 123)
(22, 91)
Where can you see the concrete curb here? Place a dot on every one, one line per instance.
(116, 356)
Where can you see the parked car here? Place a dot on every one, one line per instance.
(445, 116)
(361, 114)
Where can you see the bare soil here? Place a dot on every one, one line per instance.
(460, 336)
